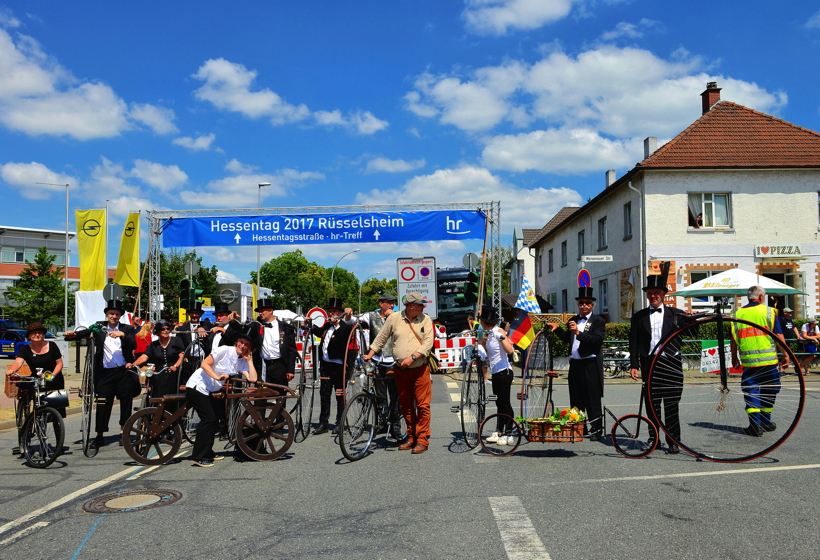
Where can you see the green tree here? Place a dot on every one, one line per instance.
(295, 281)
(373, 288)
(345, 286)
(40, 292)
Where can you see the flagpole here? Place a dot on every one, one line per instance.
(483, 271)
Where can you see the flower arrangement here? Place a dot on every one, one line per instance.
(567, 416)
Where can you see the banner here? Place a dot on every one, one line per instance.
(128, 264)
(91, 242)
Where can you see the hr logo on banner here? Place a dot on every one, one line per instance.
(454, 226)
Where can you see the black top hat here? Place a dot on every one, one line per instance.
(659, 281)
(115, 305)
(247, 334)
(221, 307)
(585, 292)
(264, 303)
(335, 303)
(488, 314)
(196, 307)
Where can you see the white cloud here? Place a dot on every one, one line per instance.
(158, 119)
(228, 85)
(496, 17)
(470, 184)
(814, 21)
(242, 191)
(561, 151)
(23, 176)
(236, 166)
(7, 18)
(629, 30)
(162, 177)
(200, 143)
(382, 164)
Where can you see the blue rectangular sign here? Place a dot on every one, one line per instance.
(365, 227)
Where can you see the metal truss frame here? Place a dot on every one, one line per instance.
(158, 219)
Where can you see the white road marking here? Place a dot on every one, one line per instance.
(24, 532)
(452, 385)
(518, 534)
(455, 397)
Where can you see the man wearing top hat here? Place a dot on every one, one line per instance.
(114, 347)
(226, 326)
(194, 329)
(333, 347)
(648, 327)
(585, 335)
(274, 355)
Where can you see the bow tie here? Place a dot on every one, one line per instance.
(266, 324)
(655, 310)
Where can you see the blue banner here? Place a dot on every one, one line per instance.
(365, 227)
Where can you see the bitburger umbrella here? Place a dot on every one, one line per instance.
(734, 282)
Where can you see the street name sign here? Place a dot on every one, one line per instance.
(596, 258)
(313, 229)
(418, 274)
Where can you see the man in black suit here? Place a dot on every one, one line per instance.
(335, 334)
(193, 329)
(274, 355)
(224, 330)
(585, 335)
(648, 327)
(115, 343)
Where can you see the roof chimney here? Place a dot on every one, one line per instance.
(710, 96)
(610, 177)
(650, 146)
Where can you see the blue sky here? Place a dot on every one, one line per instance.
(189, 105)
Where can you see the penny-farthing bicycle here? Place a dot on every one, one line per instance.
(87, 392)
(725, 414)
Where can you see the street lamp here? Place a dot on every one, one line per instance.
(258, 248)
(362, 286)
(65, 271)
(340, 260)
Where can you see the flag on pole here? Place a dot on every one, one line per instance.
(526, 299)
(91, 242)
(521, 332)
(128, 264)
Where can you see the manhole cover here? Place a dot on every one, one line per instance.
(135, 500)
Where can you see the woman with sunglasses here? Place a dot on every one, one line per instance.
(41, 354)
(220, 364)
(165, 352)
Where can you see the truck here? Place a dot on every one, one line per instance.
(457, 296)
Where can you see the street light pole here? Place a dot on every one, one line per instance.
(258, 249)
(362, 286)
(337, 262)
(65, 270)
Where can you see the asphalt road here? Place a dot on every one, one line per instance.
(559, 501)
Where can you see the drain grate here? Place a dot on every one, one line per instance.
(135, 500)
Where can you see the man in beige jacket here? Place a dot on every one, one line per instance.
(412, 335)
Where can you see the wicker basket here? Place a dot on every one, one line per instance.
(11, 386)
(545, 432)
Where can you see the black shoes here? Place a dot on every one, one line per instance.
(98, 442)
(768, 426)
(320, 429)
(673, 449)
(753, 430)
(595, 436)
(335, 430)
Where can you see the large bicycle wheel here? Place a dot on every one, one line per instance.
(265, 432)
(146, 441)
(188, 424)
(536, 400)
(490, 436)
(297, 383)
(358, 426)
(307, 393)
(87, 401)
(634, 436)
(610, 369)
(472, 405)
(43, 437)
(723, 415)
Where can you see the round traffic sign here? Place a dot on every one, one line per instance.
(584, 279)
(318, 316)
(408, 273)
(424, 271)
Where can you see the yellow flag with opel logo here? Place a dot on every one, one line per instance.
(91, 242)
(128, 264)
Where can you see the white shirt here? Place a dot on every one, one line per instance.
(196, 350)
(656, 325)
(270, 344)
(329, 335)
(112, 349)
(226, 360)
(582, 323)
(499, 360)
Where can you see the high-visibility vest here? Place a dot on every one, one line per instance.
(756, 347)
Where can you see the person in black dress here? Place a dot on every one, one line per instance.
(166, 354)
(42, 354)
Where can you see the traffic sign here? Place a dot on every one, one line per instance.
(418, 274)
(584, 279)
(318, 316)
(312, 229)
(596, 258)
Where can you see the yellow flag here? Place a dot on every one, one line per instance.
(128, 265)
(91, 241)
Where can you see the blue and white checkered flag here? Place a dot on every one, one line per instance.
(526, 299)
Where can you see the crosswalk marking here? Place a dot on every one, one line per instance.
(518, 534)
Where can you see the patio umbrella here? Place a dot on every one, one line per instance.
(734, 282)
(284, 314)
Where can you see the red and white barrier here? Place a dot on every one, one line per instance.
(449, 350)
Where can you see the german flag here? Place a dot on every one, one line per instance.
(520, 332)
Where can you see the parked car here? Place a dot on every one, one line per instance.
(12, 339)
(8, 324)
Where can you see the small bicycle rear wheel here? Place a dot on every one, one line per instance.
(43, 437)
(634, 436)
(264, 432)
(472, 407)
(188, 423)
(141, 438)
(358, 426)
(536, 400)
(512, 435)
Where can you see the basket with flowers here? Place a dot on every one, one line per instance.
(566, 425)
